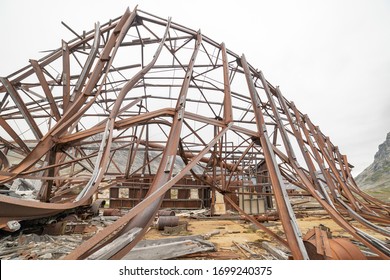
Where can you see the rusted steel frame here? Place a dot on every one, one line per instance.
(14, 135)
(275, 136)
(329, 208)
(279, 124)
(245, 141)
(331, 162)
(244, 153)
(320, 142)
(100, 166)
(165, 169)
(78, 150)
(4, 102)
(381, 220)
(194, 132)
(254, 221)
(302, 145)
(65, 76)
(383, 205)
(278, 119)
(329, 145)
(348, 171)
(60, 157)
(353, 213)
(77, 35)
(336, 216)
(292, 180)
(4, 163)
(22, 107)
(213, 121)
(57, 53)
(144, 118)
(210, 68)
(227, 102)
(179, 27)
(287, 216)
(104, 62)
(10, 146)
(223, 170)
(121, 124)
(208, 55)
(227, 165)
(145, 163)
(371, 204)
(214, 162)
(114, 150)
(26, 89)
(18, 209)
(365, 204)
(376, 242)
(123, 109)
(86, 248)
(102, 161)
(59, 164)
(111, 160)
(316, 153)
(74, 111)
(341, 163)
(166, 166)
(133, 151)
(364, 221)
(46, 188)
(375, 204)
(46, 89)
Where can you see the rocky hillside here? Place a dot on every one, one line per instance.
(375, 179)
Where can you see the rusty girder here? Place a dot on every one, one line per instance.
(80, 119)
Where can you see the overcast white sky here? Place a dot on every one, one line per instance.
(332, 58)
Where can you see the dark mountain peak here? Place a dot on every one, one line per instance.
(376, 177)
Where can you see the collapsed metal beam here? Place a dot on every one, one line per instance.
(287, 216)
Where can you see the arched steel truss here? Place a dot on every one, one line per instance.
(143, 85)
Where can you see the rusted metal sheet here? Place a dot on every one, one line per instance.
(322, 246)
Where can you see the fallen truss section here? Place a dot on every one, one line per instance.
(144, 87)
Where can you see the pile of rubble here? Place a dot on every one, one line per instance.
(171, 237)
(38, 247)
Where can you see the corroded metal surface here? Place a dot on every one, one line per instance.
(141, 96)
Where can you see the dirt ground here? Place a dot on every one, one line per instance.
(227, 236)
(232, 236)
(233, 233)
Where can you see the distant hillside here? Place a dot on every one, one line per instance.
(375, 179)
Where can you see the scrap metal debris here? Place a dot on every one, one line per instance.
(33, 246)
(169, 248)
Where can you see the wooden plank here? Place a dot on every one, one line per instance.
(277, 253)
